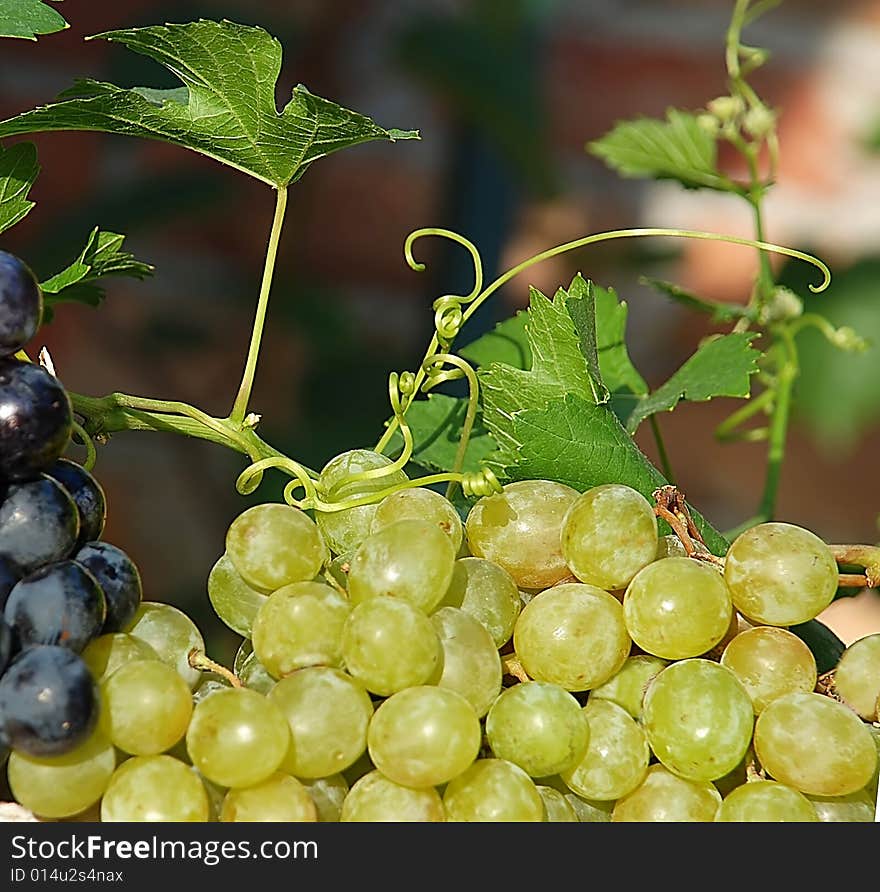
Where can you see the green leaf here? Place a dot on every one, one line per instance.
(677, 149)
(507, 343)
(720, 312)
(18, 170)
(226, 109)
(28, 18)
(722, 366)
(618, 372)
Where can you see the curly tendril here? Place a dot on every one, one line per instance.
(89, 444)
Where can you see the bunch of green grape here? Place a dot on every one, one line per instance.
(545, 657)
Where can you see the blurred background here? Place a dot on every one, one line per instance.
(505, 94)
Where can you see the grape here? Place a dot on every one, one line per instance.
(278, 798)
(39, 524)
(60, 786)
(590, 812)
(48, 701)
(492, 790)
(608, 535)
(389, 645)
(411, 560)
(237, 738)
(627, 686)
(328, 713)
(233, 600)
(663, 797)
(770, 662)
(677, 608)
(87, 495)
(420, 504)
(780, 574)
(60, 603)
(375, 798)
(520, 529)
(345, 530)
(9, 575)
(145, 707)
(488, 593)
(616, 760)
(209, 684)
(857, 677)
(328, 794)
(855, 807)
(572, 635)
(539, 727)
(251, 672)
(300, 625)
(172, 634)
(273, 545)
(698, 718)
(21, 303)
(155, 789)
(764, 801)
(36, 421)
(557, 809)
(670, 546)
(338, 568)
(815, 744)
(424, 736)
(6, 644)
(119, 579)
(471, 665)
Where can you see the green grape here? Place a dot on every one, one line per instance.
(300, 625)
(488, 593)
(328, 794)
(389, 645)
(237, 738)
(145, 707)
(557, 809)
(698, 718)
(338, 568)
(627, 686)
(106, 653)
(278, 798)
(233, 600)
(345, 530)
(493, 790)
(420, 504)
(677, 608)
(521, 528)
(664, 797)
(764, 801)
(410, 559)
(471, 664)
(616, 760)
(770, 663)
(209, 684)
(590, 811)
(857, 677)
(375, 798)
(670, 546)
(424, 736)
(815, 744)
(855, 807)
(780, 574)
(328, 713)
(155, 789)
(572, 635)
(61, 786)
(539, 727)
(171, 634)
(608, 535)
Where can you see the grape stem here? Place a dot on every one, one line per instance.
(513, 667)
(198, 659)
(867, 556)
(670, 506)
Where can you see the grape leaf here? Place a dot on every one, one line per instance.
(507, 343)
(28, 18)
(18, 170)
(720, 312)
(677, 148)
(618, 372)
(226, 109)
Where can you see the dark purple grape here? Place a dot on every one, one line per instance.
(39, 524)
(60, 604)
(21, 304)
(88, 495)
(5, 644)
(9, 575)
(48, 701)
(35, 419)
(118, 576)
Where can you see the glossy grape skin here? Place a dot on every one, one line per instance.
(492, 790)
(279, 798)
(520, 529)
(106, 653)
(375, 798)
(155, 789)
(665, 797)
(35, 419)
(572, 635)
(815, 744)
(670, 546)
(21, 303)
(9, 575)
(765, 801)
(857, 677)
(61, 603)
(780, 574)
(856, 808)
(234, 601)
(119, 578)
(557, 809)
(251, 672)
(590, 811)
(171, 633)
(48, 701)
(39, 523)
(627, 686)
(87, 494)
(328, 794)
(420, 504)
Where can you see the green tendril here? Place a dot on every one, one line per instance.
(89, 444)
